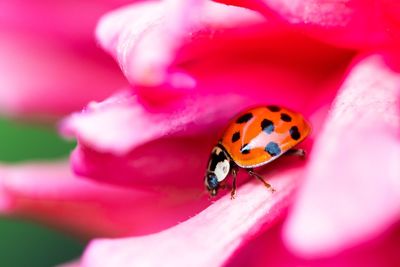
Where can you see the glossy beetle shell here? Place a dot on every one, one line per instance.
(262, 134)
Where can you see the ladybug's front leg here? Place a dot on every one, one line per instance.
(234, 174)
(259, 177)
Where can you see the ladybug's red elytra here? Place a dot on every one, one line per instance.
(254, 138)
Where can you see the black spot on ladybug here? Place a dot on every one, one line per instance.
(286, 117)
(235, 137)
(273, 149)
(294, 133)
(245, 149)
(244, 118)
(273, 108)
(267, 126)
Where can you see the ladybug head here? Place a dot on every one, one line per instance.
(218, 169)
(212, 184)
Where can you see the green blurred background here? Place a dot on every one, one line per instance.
(25, 244)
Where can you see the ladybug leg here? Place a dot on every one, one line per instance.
(233, 191)
(259, 177)
(296, 152)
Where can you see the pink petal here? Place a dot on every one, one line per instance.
(122, 123)
(41, 191)
(70, 264)
(230, 49)
(163, 162)
(50, 63)
(42, 76)
(269, 250)
(209, 238)
(354, 23)
(352, 189)
(35, 15)
(144, 37)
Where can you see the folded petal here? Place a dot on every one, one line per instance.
(226, 49)
(352, 189)
(207, 239)
(145, 36)
(122, 123)
(50, 193)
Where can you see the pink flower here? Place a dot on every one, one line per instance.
(141, 153)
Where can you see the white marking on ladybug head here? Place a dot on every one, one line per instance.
(222, 170)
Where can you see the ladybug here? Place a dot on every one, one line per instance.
(254, 138)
